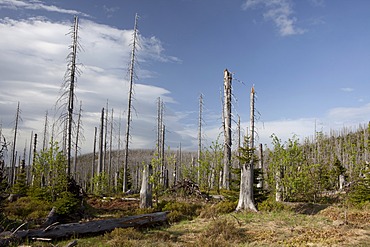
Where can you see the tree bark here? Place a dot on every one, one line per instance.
(146, 200)
(246, 200)
(91, 227)
(129, 108)
(227, 129)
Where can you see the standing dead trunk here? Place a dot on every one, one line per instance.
(199, 137)
(129, 106)
(260, 177)
(93, 163)
(44, 141)
(13, 172)
(76, 143)
(146, 200)
(341, 181)
(71, 96)
(101, 143)
(246, 200)
(227, 129)
(278, 186)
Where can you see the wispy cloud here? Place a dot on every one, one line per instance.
(318, 3)
(347, 116)
(36, 5)
(110, 10)
(280, 12)
(347, 89)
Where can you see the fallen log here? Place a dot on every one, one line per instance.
(91, 227)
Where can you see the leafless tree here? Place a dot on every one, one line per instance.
(227, 129)
(129, 104)
(200, 120)
(13, 168)
(68, 95)
(246, 200)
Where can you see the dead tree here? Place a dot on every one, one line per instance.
(129, 105)
(95, 227)
(13, 172)
(260, 177)
(101, 143)
(105, 138)
(160, 138)
(146, 200)
(29, 170)
(78, 135)
(246, 200)
(119, 152)
(109, 172)
(93, 161)
(71, 97)
(68, 97)
(227, 129)
(45, 140)
(200, 136)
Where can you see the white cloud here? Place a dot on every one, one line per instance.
(349, 116)
(33, 63)
(336, 119)
(36, 5)
(347, 89)
(280, 12)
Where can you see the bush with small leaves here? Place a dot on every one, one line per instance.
(66, 203)
(181, 211)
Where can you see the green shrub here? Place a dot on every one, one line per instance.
(144, 211)
(28, 208)
(66, 203)
(39, 193)
(360, 193)
(181, 211)
(270, 205)
(223, 207)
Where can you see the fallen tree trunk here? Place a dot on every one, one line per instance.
(91, 227)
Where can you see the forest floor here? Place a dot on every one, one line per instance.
(299, 224)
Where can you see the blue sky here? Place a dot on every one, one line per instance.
(309, 61)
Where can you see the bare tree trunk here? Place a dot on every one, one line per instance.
(29, 173)
(45, 140)
(146, 200)
(246, 200)
(71, 93)
(105, 139)
(227, 129)
(199, 136)
(278, 186)
(93, 161)
(260, 177)
(85, 228)
(160, 139)
(33, 159)
(129, 106)
(101, 143)
(163, 169)
(109, 173)
(119, 153)
(76, 144)
(12, 175)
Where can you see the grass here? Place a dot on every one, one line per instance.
(282, 228)
(216, 225)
